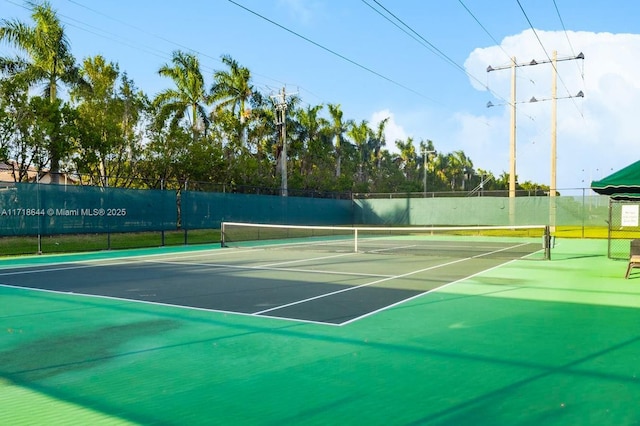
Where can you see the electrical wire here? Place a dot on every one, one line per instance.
(431, 47)
(497, 43)
(333, 52)
(548, 57)
(162, 38)
(573, 53)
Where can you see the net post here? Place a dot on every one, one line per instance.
(547, 242)
(222, 244)
(355, 239)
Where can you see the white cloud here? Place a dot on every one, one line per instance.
(392, 131)
(596, 134)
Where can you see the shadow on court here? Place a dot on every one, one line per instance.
(318, 291)
(525, 343)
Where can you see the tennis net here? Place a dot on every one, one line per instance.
(474, 241)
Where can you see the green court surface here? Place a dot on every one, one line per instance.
(526, 342)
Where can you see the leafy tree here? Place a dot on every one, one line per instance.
(47, 60)
(15, 118)
(101, 115)
(534, 188)
(134, 107)
(264, 134)
(237, 143)
(408, 158)
(485, 180)
(389, 178)
(312, 145)
(54, 123)
(19, 140)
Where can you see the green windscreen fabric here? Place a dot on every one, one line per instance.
(469, 211)
(33, 209)
(205, 210)
(43, 209)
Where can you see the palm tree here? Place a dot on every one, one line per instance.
(264, 135)
(189, 95)
(378, 141)
(232, 90)
(338, 129)
(48, 60)
(502, 182)
(408, 157)
(309, 134)
(442, 168)
(360, 133)
(427, 150)
(462, 168)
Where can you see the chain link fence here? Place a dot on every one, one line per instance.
(623, 227)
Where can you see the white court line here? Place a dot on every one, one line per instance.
(109, 261)
(435, 289)
(272, 264)
(392, 248)
(68, 268)
(261, 313)
(393, 277)
(310, 258)
(148, 302)
(272, 267)
(423, 293)
(383, 280)
(130, 261)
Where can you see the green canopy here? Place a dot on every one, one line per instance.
(621, 185)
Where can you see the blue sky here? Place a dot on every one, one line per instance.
(431, 82)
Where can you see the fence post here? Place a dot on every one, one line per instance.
(183, 211)
(609, 230)
(162, 242)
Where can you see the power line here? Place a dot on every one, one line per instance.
(333, 52)
(159, 37)
(534, 30)
(555, 5)
(549, 57)
(430, 46)
(421, 40)
(83, 26)
(105, 34)
(568, 39)
(426, 45)
(138, 28)
(484, 29)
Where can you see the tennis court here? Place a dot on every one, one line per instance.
(323, 279)
(322, 335)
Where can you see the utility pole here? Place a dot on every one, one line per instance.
(512, 137)
(281, 122)
(512, 134)
(554, 98)
(513, 102)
